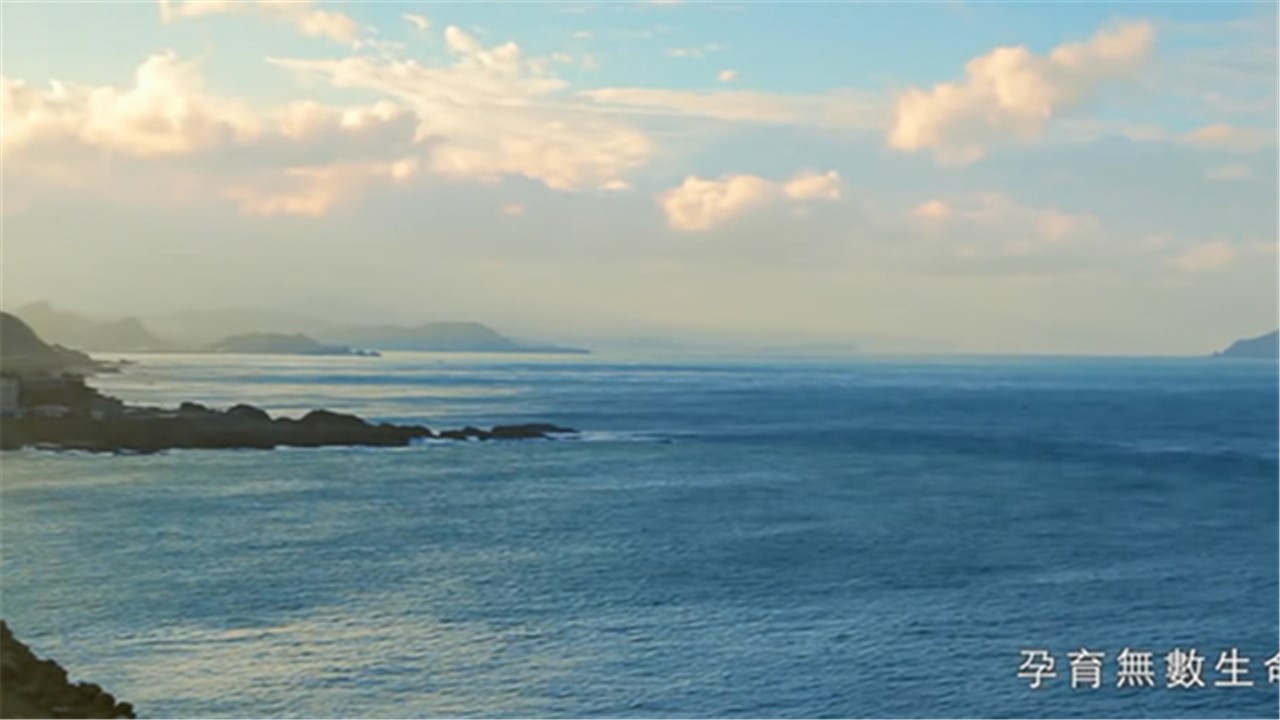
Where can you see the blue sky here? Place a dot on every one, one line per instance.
(1019, 176)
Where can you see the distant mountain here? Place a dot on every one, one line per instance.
(1264, 346)
(279, 344)
(22, 351)
(85, 333)
(263, 331)
(199, 328)
(438, 337)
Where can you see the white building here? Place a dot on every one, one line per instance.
(10, 393)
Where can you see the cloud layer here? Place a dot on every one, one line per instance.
(301, 14)
(1012, 93)
(494, 113)
(701, 204)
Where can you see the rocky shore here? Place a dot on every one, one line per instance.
(35, 688)
(191, 425)
(46, 403)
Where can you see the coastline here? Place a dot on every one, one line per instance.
(64, 413)
(32, 687)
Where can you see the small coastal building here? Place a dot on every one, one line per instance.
(10, 395)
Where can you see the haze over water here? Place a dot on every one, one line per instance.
(728, 538)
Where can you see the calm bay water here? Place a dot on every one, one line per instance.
(728, 538)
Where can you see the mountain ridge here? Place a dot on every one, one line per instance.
(1265, 346)
(272, 333)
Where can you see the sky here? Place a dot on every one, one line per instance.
(1013, 177)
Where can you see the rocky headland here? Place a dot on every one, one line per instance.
(48, 404)
(191, 425)
(35, 688)
(1266, 347)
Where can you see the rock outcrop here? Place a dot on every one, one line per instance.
(22, 351)
(191, 425)
(60, 411)
(1265, 347)
(65, 413)
(35, 688)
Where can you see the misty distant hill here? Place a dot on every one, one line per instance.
(84, 333)
(23, 351)
(1264, 346)
(248, 330)
(437, 337)
(200, 328)
(279, 344)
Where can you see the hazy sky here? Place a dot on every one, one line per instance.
(1028, 177)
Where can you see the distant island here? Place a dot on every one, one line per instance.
(1266, 347)
(438, 337)
(131, 335)
(281, 344)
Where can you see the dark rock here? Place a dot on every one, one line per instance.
(527, 431)
(248, 412)
(467, 433)
(92, 422)
(317, 418)
(22, 351)
(35, 688)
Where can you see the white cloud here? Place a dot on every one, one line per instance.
(840, 110)
(166, 112)
(315, 191)
(493, 113)
(995, 224)
(302, 14)
(1012, 93)
(813, 186)
(932, 209)
(1205, 257)
(303, 158)
(1233, 171)
(417, 21)
(463, 43)
(727, 75)
(700, 204)
(1043, 224)
(513, 210)
(1231, 138)
(693, 52)
(490, 114)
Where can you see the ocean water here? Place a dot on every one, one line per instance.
(729, 538)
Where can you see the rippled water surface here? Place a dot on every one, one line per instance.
(727, 539)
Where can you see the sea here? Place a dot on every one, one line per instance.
(727, 537)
